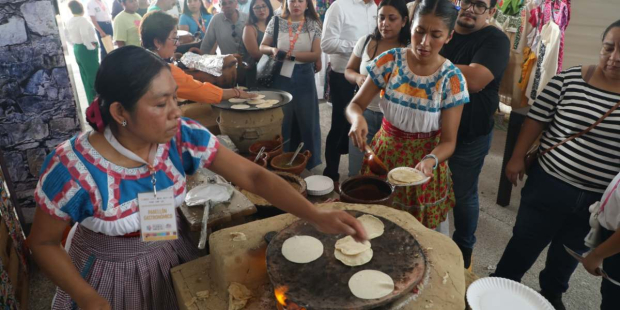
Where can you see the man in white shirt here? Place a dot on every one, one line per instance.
(102, 20)
(346, 21)
(81, 33)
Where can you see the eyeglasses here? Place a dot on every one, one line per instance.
(175, 40)
(479, 6)
(234, 33)
(259, 7)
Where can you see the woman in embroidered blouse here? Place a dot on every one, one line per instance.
(299, 35)
(422, 105)
(158, 31)
(261, 13)
(94, 183)
(393, 30)
(195, 18)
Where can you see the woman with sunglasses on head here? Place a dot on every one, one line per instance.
(140, 146)
(299, 40)
(159, 35)
(423, 97)
(261, 13)
(195, 18)
(393, 31)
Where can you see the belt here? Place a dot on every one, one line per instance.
(393, 131)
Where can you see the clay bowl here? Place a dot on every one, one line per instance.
(366, 189)
(261, 161)
(269, 146)
(280, 162)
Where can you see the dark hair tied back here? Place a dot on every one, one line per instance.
(444, 9)
(404, 36)
(612, 26)
(124, 76)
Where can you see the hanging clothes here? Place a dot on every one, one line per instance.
(559, 12)
(547, 63)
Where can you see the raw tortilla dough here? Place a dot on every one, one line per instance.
(406, 176)
(240, 107)
(374, 227)
(302, 249)
(349, 246)
(354, 260)
(256, 101)
(371, 284)
(237, 100)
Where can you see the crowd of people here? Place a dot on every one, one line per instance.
(416, 82)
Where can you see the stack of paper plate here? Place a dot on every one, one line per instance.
(319, 185)
(499, 293)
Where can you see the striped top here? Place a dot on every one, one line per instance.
(77, 183)
(413, 103)
(571, 105)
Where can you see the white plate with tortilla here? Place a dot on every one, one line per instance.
(407, 176)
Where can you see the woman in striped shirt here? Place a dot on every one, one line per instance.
(564, 182)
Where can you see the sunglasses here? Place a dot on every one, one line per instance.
(234, 33)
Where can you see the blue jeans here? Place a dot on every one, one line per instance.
(466, 165)
(356, 156)
(551, 211)
(301, 116)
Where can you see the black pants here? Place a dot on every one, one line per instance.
(610, 291)
(551, 212)
(107, 28)
(341, 93)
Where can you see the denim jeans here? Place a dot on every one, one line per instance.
(610, 291)
(466, 165)
(301, 115)
(551, 211)
(373, 119)
(337, 142)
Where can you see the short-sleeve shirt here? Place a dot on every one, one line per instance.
(489, 47)
(77, 183)
(226, 34)
(411, 102)
(186, 20)
(126, 28)
(310, 31)
(570, 105)
(99, 10)
(362, 52)
(610, 203)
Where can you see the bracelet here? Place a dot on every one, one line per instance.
(433, 157)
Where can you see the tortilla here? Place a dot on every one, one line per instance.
(406, 176)
(374, 227)
(255, 101)
(349, 246)
(272, 101)
(371, 284)
(240, 107)
(302, 249)
(354, 260)
(265, 105)
(258, 96)
(237, 100)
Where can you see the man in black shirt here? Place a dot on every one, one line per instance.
(481, 51)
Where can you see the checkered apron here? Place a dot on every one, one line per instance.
(129, 273)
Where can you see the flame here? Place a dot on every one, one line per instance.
(280, 294)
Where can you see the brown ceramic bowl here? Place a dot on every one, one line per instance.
(280, 162)
(366, 189)
(269, 146)
(261, 161)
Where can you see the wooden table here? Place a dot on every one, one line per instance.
(517, 117)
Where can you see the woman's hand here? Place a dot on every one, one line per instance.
(360, 79)
(592, 263)
(245, 95)
(274, 52)
(426, 166)
(339, 222)
(94, 302)
(515, 169)
(358, 132)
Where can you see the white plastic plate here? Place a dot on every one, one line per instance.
(499, 293)
(319, 185)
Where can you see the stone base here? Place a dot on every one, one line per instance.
(244, 262)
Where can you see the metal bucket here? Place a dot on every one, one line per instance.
(247, 127)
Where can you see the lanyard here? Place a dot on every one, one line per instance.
(201, 23)
(292, 39)
(608, 196)
(107, 133)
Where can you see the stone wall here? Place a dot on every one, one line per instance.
(37, 108)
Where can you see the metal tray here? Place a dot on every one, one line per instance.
(270, 94)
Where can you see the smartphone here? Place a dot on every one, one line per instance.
(281, 55)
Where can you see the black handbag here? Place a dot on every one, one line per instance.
(268, 67)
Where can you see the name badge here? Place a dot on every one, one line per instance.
(287, 68)
(158, 219)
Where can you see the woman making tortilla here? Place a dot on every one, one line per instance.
(158, 32)
(94, 179)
